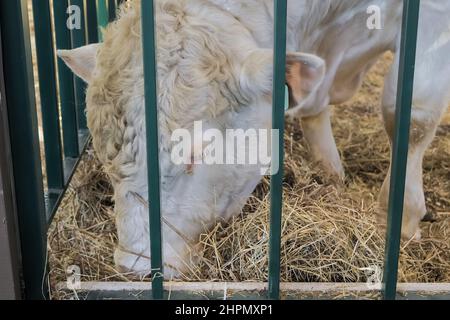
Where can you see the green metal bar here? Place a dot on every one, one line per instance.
(102, 16)
(70, 167)
(66, 82)
(10, 283)
(49, 97)
(400, 144)
(92, 23)
(112, 10)
(276, 183)
(79, 40)
(19, 87)
(151, 116)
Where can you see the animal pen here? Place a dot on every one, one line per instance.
(28, 208)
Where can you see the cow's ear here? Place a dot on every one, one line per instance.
(304, 74)
(81, 60)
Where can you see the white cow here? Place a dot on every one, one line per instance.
(215, 65)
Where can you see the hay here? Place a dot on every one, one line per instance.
(329, 231)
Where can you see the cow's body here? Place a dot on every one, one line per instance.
(224, 33)
(337, 31)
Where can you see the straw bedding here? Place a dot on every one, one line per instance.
(329, 231)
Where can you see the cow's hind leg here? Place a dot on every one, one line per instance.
(414, 205)
(426, 115)
(319, 135)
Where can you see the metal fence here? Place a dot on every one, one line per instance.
(400, 147)
(64, 140)
(63, 96)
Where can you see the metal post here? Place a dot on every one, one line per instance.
(49, 97)
(92, 23)
(112, 10)
(19, 89)
(9, 241)
(400, 144)
(66, 82)
(79, 40)
(9, 260)
(102, 16)
(276, 183)
(151, 116)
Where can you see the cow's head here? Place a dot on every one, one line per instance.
(212, 77)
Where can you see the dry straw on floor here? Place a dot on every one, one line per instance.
(329, 232)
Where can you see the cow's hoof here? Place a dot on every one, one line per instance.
(415, 235)
(429, 217)
(331, 173)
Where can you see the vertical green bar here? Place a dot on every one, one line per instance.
(112, 10)
(102, 16)
(49, 97)
(79, 40)
(19, 87)
(66, 82)
(276, 183)
(400, 145)
(151, 116)
(92, 22)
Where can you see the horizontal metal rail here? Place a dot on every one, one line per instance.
(252, 290)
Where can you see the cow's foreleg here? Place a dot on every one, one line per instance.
(319, 135)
